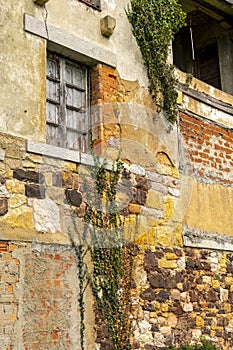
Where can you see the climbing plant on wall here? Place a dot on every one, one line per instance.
(154, 24)
(102, 238)
(111, 256)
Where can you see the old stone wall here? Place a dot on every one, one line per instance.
(183, 294)
(175, 193)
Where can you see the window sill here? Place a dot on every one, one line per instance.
(51, 151)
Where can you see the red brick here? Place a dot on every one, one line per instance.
(3, 246)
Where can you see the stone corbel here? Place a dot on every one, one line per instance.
(107, 25)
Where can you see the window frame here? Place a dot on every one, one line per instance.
(61, 118)
(208, 32)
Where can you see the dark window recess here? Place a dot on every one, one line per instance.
(195, 48)
(206, 65)
(67, 116)
(93, 3)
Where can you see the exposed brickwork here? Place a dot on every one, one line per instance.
(9, 305)
(108, 89)
(38, 289)
(188, 293)
(208, 148)
(50, 299)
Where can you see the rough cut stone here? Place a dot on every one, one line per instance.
(2, 180)
(157, 281)
(188, 307)
(34, 191)
(28, 175)
(212, 295)
(139, 197)
(148, 294)
(73, 197)
(142, 183)
(162, 296)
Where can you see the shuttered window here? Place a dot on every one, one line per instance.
(68, 121)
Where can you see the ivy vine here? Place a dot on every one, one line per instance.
(111, 256)
(102, 238)
(154, 24)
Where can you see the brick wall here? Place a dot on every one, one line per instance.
(38, 297)
(9, 305)
(208, 148)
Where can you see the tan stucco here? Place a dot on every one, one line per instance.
(210, 208)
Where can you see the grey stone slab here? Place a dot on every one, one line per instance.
(75, 47)
(53, 151)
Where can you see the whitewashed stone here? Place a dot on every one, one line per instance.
(3, 192)
(165, 330)
(46, 215)
(183, 296)
(144, 326)
(206, 279)
(188, 307)
(196, 334)
(146, 338)
(224, 294)
(181, 263)
(174, 192)
(159, 340)
(137, 169)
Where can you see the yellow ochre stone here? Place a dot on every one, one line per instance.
(15, 186)
(199, 322)
(215, 284)
(19, 217)
(134, 208)
(155, 200)
(169, 208)
(171, 256)
(167, 264)
(177, 236)
(164, 237)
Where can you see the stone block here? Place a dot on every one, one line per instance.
(73, 197)
(134, 208)
(167, 264)
(155, 200)
(107, 25)
(15, 186)
(16, 200)
(28, 175)
(19, 217)
(34, 191)
(46, 215)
